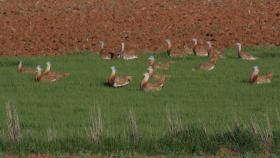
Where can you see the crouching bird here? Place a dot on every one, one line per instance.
(23, 69)
(39, 76)
(244, 55)
(208, 66)
(48, 71)
(146, 86)
(177, 52)
(154, 75)
(104, 52)
(198, 49)
(128, 54)
(155, 65)
(212, 50)
(118, 81)
(255, 78)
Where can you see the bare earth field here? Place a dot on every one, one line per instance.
(37, 27)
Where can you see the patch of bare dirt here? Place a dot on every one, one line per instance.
(227, 152)
(11, 156)
(37, 27)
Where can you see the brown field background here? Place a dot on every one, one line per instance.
(37, 27)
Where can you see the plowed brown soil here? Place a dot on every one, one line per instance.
(36, 27)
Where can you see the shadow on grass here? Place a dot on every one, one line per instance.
(246, 82)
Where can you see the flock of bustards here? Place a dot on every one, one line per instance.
(115, 80)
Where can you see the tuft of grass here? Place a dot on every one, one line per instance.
(13, 124)
(242, 139)
(174, 123)
(267, 135)
(52, 135)
(134, 133)
(95, 130)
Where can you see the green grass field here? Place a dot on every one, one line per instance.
(213, 99)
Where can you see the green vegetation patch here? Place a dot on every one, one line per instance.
(195, 112)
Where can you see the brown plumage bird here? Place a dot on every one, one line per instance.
(154, 75)
(23, 69)
(118, 81)
(146, 86)
(198, 49)
(155, 65)
(48, 71)
(212, 50)
(128, 54)
(39, 76)
(244, 55)
(208, 66)
(255, 78)
(104, 52)
(176, 52)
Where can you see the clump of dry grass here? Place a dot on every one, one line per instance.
(13, 125)
(255, 128)
(264, 135)
(52, 135)
(134, 133)
(278, 116)
(174, 123)
(96, 126)
(204, 129)
(252, 135)
(267, 135)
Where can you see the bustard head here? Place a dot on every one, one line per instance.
(152, 58)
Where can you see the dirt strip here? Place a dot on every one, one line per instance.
(37, 27)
